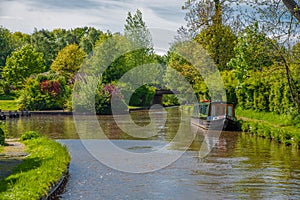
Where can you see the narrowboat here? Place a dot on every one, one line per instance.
(215, 116)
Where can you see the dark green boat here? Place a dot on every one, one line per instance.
(215, 116)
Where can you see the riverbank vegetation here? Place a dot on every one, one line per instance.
(46, 163)
(282, 129)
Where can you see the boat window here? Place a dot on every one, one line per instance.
(218, 110)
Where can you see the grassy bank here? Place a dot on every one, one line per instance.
(8, 105)
(280, 128)
(36, 175)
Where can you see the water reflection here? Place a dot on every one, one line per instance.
(238, 166)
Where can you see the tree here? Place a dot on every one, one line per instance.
(21, 64)
(6, 45)
(139, 35)
(219, 41)
(137, 31)
(68, 61)
(293, 8)
(253, 51)
(204, 13)
(44, 42)
(88, 41)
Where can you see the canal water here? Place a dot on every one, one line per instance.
(239, 166)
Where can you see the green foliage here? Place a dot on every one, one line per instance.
(142, 96)
(230, 84)
(7, 97)
(21, 64)
(44, 92)
(253, 51)
(51, 42)
(279, 128)
(103, 98)
(96, 96)
(170, 100)
(264, 92)
(89, 40)
(68, 61)
(219, 41)
(36, 175)
(187, 70)
(7, 45)
(29, 135)
(137, 31)
(2, 137)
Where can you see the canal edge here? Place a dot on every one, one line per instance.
(59, 187)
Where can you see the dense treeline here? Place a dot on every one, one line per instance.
(40, 68)
(258, 71)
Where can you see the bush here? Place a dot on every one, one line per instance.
(103, 99)
(142, 96)
(2, 137)
(30, 135)
(44, 92)
(170, 100)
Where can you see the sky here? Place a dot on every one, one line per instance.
(25, 15)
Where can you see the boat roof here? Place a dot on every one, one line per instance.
(216, 102)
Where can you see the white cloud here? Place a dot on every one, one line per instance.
(18, 15)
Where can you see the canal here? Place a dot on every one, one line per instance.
(239, 166)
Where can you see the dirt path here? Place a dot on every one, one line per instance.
(12, 155)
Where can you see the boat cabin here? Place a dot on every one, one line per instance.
(215, 115)
(214, 110)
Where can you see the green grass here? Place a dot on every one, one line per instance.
(34, 177)
(279, 120)
(1, 149)
(278, 128)
(8, 105)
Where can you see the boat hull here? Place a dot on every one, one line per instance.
(220, 124)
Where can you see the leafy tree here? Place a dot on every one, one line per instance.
(21, 64)
(200, 74)
(219, 41)
(139, 35)
(202, 14)
(68, 61)
(230, 83)
(89, 40)
(6, 45)
(20, 39)
(43, 41)
(254, 50)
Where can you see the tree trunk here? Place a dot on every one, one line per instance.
(293, 8)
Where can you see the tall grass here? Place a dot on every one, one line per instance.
(34, 177)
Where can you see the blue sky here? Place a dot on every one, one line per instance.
(25, 15)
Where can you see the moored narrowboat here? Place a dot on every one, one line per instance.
(216, 115)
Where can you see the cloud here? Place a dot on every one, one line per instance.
(25, 15)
